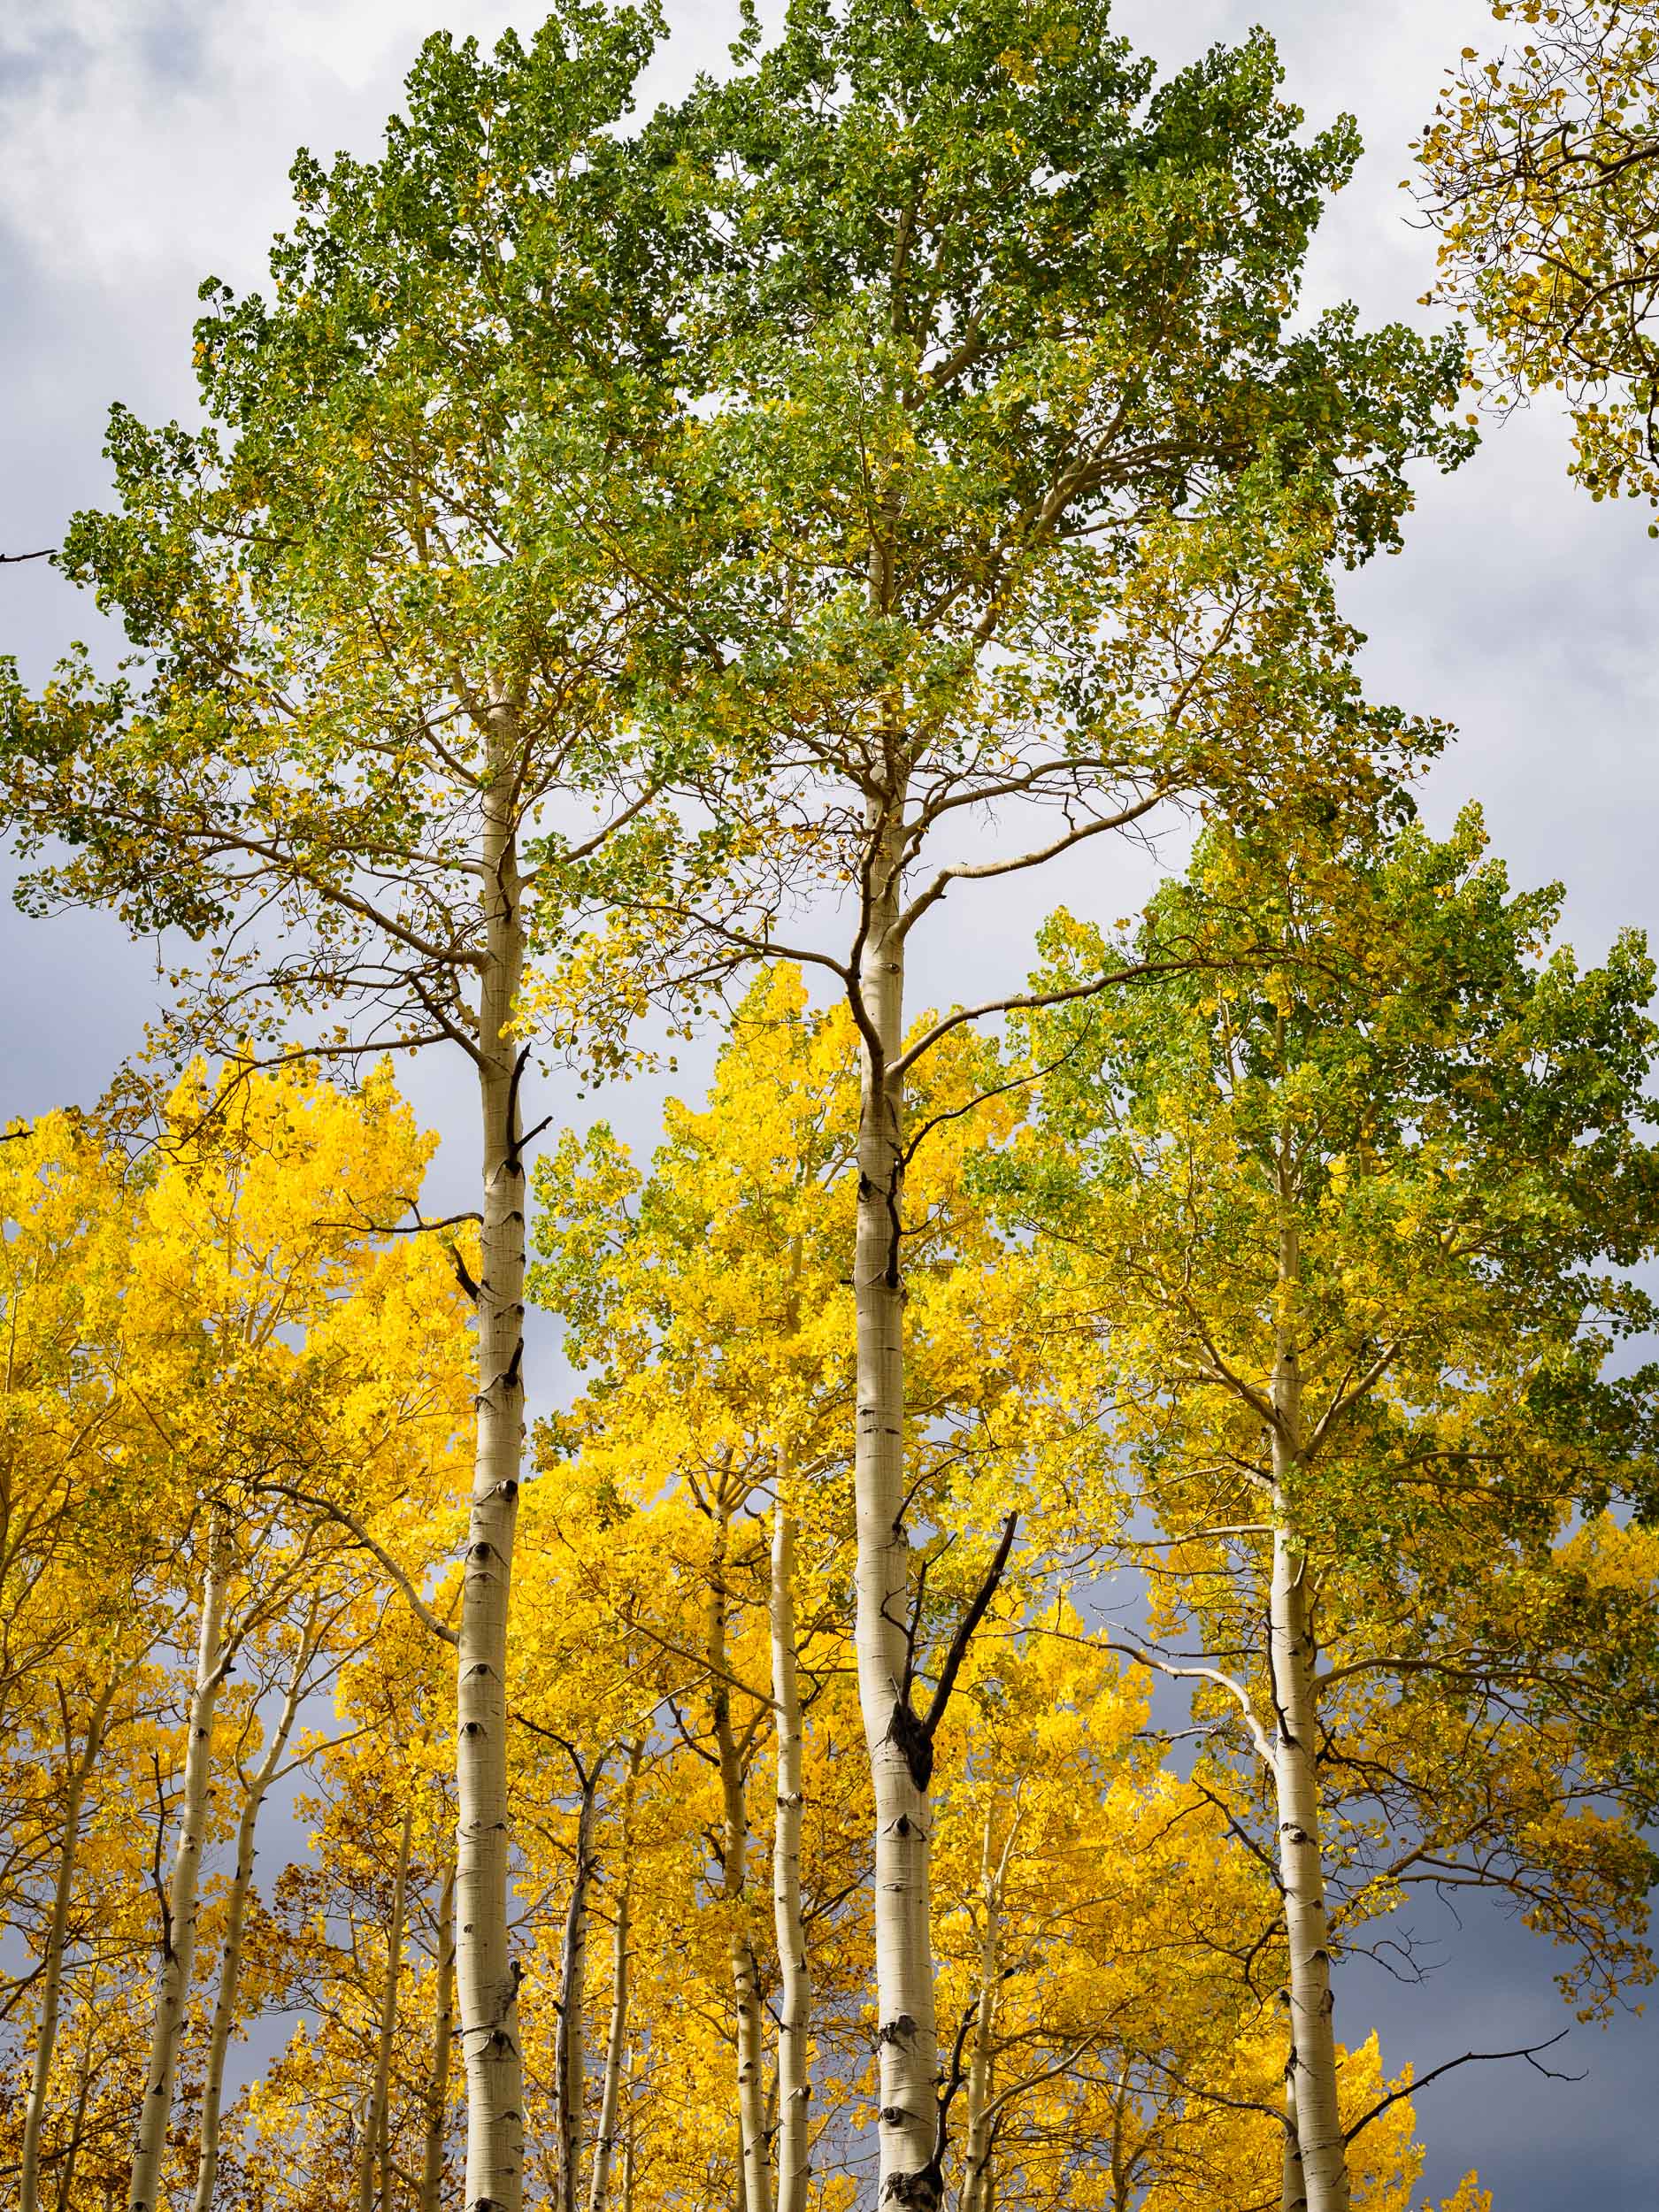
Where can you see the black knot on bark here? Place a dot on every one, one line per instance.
(924, 2189)
(897, 2032)
(915, 1743)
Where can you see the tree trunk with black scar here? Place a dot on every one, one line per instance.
(486, 1974)
(900, 1751)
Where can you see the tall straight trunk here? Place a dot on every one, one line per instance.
(178, 1941)
(235, 1928)
(486, 1973)
(901, 1756)
(442, 2042)
(570, 2061)
(621, 1964)
(1311, 2071)
(976, 2181)
(83, 2098)
(754, 2170)
(56, 1943)
(795, 1995)
(374, 2149)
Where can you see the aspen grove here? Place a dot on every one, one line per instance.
(899, 1641)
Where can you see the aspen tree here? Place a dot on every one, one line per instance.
(980, 352)
(177, 1950)
(1352, 1255)
(79, 1765)
(1540, 170)
(374, 2158)
(255, 1788)
(606, 2133)
(387, 634)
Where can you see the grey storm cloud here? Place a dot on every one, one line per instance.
(147, 145)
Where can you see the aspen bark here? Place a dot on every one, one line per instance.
(437, 2098)
(486, 1974)
(755, 2167)
(230, 1953)
(57, 1944)
(617, 2039)
(1293, 2192)
(1311, 2072)
(901, 1756)
(976, 2181)
(178, 1943)
(375, 2150)
(569, 2062)
(795, 1997)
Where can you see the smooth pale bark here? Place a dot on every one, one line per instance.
(794, 1993)
(57, 1944)
(754, 2168)
(1292, 2193)
(901, 1756)
(374, 2149)
(437, 2098)
(1311, 2071)
(178, 1943)
(977, 2178)
(570, 2058)
(486, 1973)
(83, 2098)
(621, 1966)
(235, 1928)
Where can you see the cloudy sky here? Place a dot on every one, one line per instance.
(146, 144)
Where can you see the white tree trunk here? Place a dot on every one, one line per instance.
(617, 2041)
(375, 2150)
(570, 2063)
(57, 1942)
(1292, 2193)
(749, 2014)
(442, 2041)
(178, 1944)
(901, 1759)
(1312, 2073)
(235, 1927)
(795, 1996)
(486, 1973)
(976, 2178)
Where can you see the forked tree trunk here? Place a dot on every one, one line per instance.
(375, 2150)
(570, 2061)
(56, 1942)
(177, 1942)
(795, 1995)
(901, 1756)
(617, 2039)
(488, 1982)
(754, 2170)
(437, 2098)
(235, 1927)
(1311, 2072)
